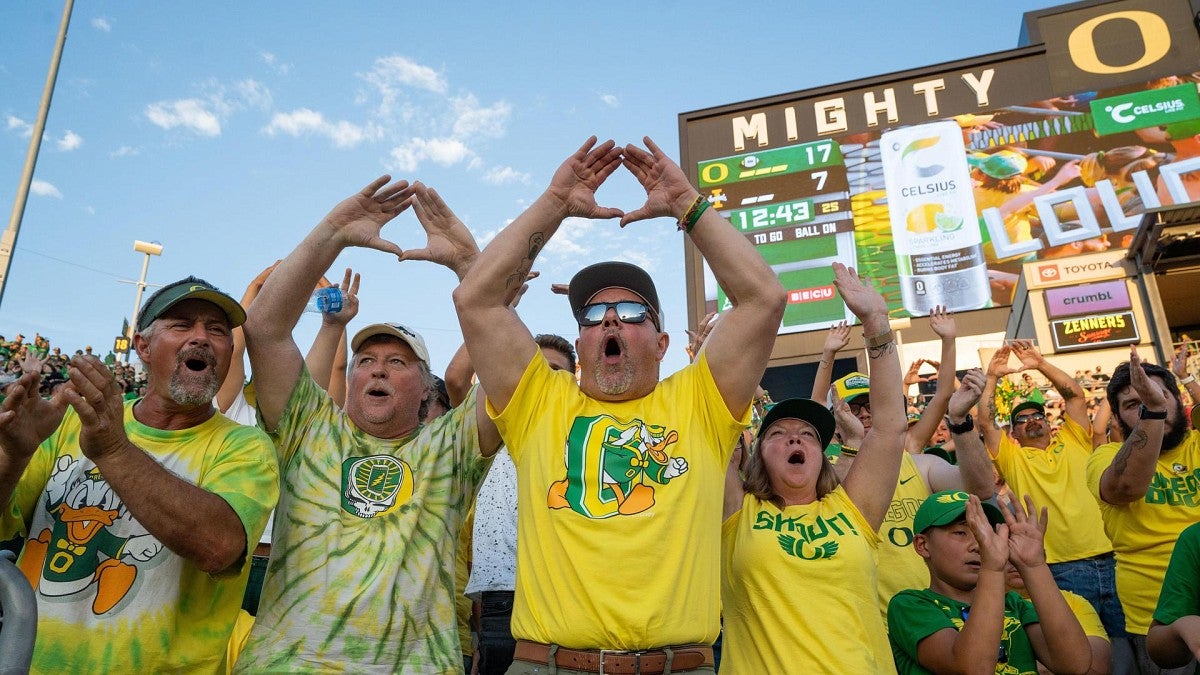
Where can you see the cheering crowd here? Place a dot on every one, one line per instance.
(554, 505)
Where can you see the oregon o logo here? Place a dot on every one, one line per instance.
(1155, 35)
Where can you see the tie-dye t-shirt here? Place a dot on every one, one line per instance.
(111, 597)
(361, 577)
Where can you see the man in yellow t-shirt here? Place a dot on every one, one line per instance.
(139, 517)
(1148, 487)
(1051, 467)
(619, 478)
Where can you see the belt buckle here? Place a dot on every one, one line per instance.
(638, 663)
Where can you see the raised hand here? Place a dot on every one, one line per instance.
(1031, 358)
(450, 243)
(836, 338)
(358, 219)
(859, 294)
(848, 425)
(998, 366)
(1026, 534)
(941, 320)
(993, 543)
(668, 192)
(913, 375)
(575, 182)
(26, 419)
(1149, 391)
(96, 398)
(967, 395)
(349, 289)
(1179, 364)
(697, 337)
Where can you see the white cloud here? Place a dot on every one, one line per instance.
(70, 141)
(101, 24)
(574, 237)
(44, 189)
(255, 94)
(125, 151)
(401, 70)
(473, 120)
(274, 63)
(610, 100)
(20, 126)
(501, 175)
(305, 122)
(91, 210)
(444, 151)
(189, 113)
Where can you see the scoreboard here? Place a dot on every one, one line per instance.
(939, 183)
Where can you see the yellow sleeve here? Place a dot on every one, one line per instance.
(1097, 463)
(1087, 615)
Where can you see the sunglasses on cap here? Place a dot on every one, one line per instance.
(628, 311)
(1025, 419)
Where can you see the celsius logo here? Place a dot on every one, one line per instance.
(1125, 113)
(924, 171)
(1048, 272)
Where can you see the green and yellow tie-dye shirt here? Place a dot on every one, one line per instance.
(111, 597)
(361, 577)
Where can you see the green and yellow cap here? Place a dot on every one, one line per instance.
(191, 288)
(945, 507)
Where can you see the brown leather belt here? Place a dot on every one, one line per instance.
(616, 662)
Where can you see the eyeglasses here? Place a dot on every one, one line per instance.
(1025, 419)
(855, 407)
(627, 311)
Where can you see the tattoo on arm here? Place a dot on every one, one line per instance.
(881, 350)
(1136, 441)
(537, 241)
(991, 409)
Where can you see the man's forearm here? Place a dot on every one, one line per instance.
(191, 521)
(988, 415)
(324, 351)
(503, 267)
(738, 267)
(1066, 385)
(974, 464)
(281, 302)
(1128, 477)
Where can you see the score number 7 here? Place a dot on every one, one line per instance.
(820, 177)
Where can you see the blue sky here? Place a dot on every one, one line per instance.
(225, 131)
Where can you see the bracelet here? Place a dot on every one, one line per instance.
(961, 428)
(1187, 380)
(877, 341)
(849, 451)
(688, 221)
(1146, 414)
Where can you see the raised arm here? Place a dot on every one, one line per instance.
(1074, 401)
(942, 323)
(26, 419)
(326, 359)
(235, 379)
(1128, 477)
(836, 339)
(1100, 423)
(1179, 366)
(997, 368)
(356, 221)
(973, 472)
(482, 297)
(1058, 640)
(872, 478)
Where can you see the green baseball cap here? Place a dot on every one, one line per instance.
(191, 288)
(1023, 406)
(853, 386)
(1002, 164)
(947, 506)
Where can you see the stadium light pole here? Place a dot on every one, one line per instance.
(149, 248)
(8, 241)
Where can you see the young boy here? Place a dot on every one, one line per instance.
(965, 619)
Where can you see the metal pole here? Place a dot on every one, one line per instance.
(8, 241)
(137, 303)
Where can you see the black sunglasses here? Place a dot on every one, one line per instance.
(1025, 419)
(627, 311)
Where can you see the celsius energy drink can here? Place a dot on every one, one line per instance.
(939, 251)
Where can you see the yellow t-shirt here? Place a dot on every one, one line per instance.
(1143, 532)
(618, 510)
(1057, 479)
(797, 587)
(1087, 615)
(899, 565)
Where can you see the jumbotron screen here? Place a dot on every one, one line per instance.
(941, 183)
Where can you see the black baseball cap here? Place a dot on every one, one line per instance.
(805, 410)
(595, 278)
(190, 288)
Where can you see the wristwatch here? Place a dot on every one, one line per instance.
(1146, 414)
(966, 425)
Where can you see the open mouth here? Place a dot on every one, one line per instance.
(196, 365)
(612, 347)
(796, 458)
(378, 392)
(197, 360)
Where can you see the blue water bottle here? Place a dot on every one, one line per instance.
(325, 301)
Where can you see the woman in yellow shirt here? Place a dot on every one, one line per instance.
(798, 548)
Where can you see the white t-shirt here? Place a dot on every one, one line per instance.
(494, 539)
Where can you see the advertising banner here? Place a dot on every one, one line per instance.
(1105, 330)
(1087, 299)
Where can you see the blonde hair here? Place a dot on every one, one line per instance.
(1119, 162)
